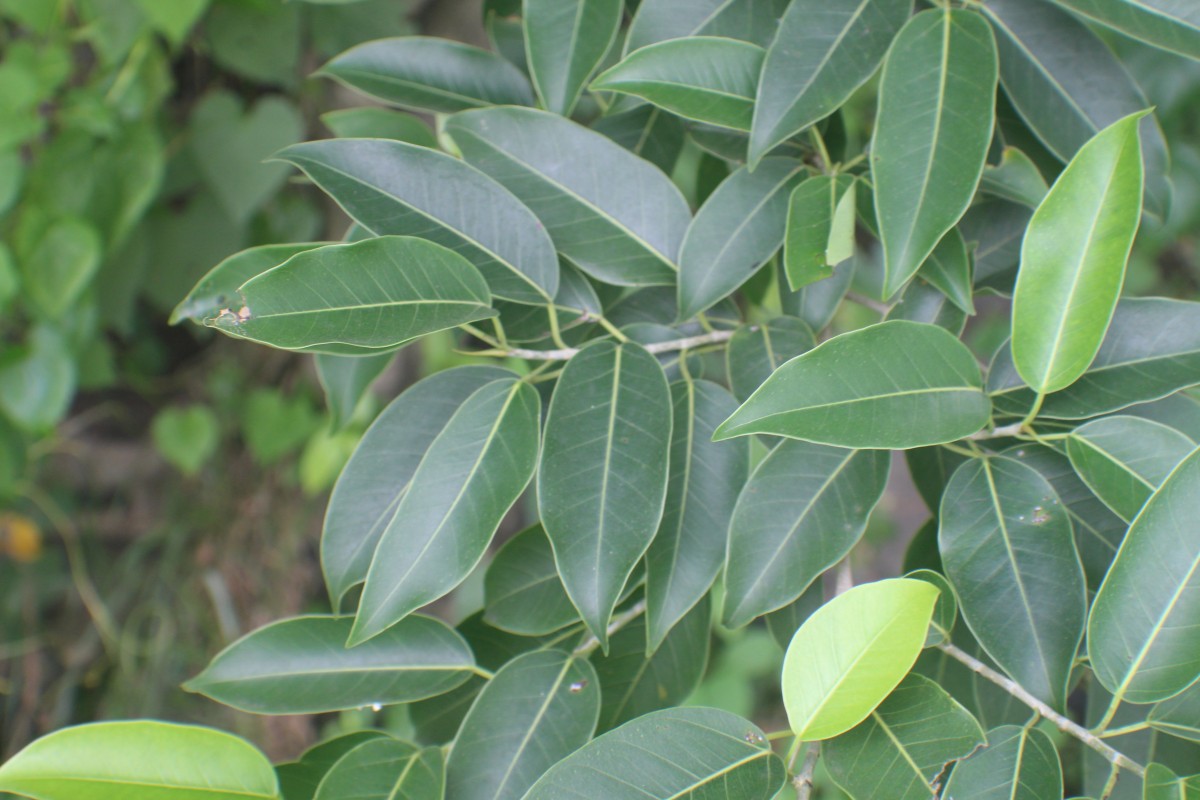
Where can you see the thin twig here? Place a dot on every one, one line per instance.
(1111, 754)
(566, 353)
(868, 302)
(619, 621)
(804, 778)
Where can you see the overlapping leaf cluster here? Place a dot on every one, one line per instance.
(650, 223)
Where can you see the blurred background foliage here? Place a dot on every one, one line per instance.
(161, 488)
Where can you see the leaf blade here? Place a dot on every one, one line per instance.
(587, 27)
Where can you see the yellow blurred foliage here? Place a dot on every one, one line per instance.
(20, 538)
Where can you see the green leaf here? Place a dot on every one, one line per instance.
(921, 302)
(868, 638)
(1179, 715)
(803, 509)
(1018, 763)
(945, 613)
(935, 119)
(816, 303)
(930, 469)
(302, 666)
(299, 779)
(739, 227)
(893, 385)
(755, 351)
(139, 761)
(602, 481)
(565, 40)
(466, 482)
(37, 380)
(1073, 259)
(1169, 24)
(902, 748)
(430, 74)
(1006, 544)
(1148, 651)
(648, 132)
(173, 20)
(374, 294)
(812, 209)
(187, 437)
(1016, 178)
(993, 230)
(705, 478)
(396, 188)
(274, 425)
(385, 769)
(1160, 783)
(1123, 460)
(346, 379)
(1068, 86)
(61, 265)
(820, 55)
(522, 591)
(783, 623)
(679, 752)
(747, 20)
(1151, 350)
(378, 475)
(704, 78)
(948, 268)
(615, 216)
(370, 122)
(634, 681)
(537, 710)
(217, 290)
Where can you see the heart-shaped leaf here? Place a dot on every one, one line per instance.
(187, 437)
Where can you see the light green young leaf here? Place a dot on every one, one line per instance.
(935, 120)
(868, 638)
(894, 385)
(811, 240)
(522, 591)
(735, 232)
(1018, 763)
(704, 78)
(705, 479)
(1123, 459)
(397, 188)
(139, 761)
(1148, 651)
(540, 708)
(385, 769)
(901, 749)
(1073, 259)
(755, 351)
(466, 482)
(615, 216)
(680, 752)
(1007, 547)
(375, 294)
(602, 481)
(430, 74)
(820, 55)
(302, 666)
(565, 40)
(1170, 24)
(804, 508)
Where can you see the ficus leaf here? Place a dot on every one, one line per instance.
(1163, 23)
(564, 42)
(522, 591)
(385, 769)
(755, 351)
(810, 242)
(1017, 762)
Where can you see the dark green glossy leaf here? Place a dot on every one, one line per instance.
(467, 480)
(931, 468)
(634, 682)
(1123, 460)
(708, 79)
(386, 769)
(1179, 715)
(299, 779)
(1161, 783)
(680, 752)
(1180, 411)
(218, 289)
(397, 188)
(784, 622)
(945, 613)
(565, 40)
(993, 230)
(374, 294)
(755, 351)
(1017, 763)
(949, 269)
(704, 480)
(648, 132)
(346, 379)
(522, 590)
(1067, 85)
(430, 74)
(1151, 350)
(1016, 179)
(921, 302)
(817, 302)
(808, 249)
(538, 709)
(803, 509)
(820, 55)
(935, 120)
(302, 666)
(897, 384)
(739, 227)
(1073, 259)
(1148, 651)
(902, 748)
(370, 122)
(615, 216)
(1169, 24)
(602, 480)
(748, 20)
